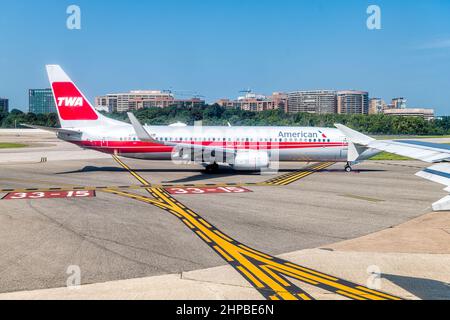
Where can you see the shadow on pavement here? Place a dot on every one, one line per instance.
(424, 289)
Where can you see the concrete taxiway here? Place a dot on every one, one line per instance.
(332, 221)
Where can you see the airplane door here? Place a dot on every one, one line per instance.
(104, 142)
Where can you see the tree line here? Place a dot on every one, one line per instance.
(217, 115)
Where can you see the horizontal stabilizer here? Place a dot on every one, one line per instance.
(51, 129)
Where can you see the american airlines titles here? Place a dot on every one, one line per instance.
(300, 134)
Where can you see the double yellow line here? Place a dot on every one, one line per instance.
(284, 179)
(266, 273)
(291, 177)
(134, 174)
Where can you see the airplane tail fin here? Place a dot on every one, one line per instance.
(74, 110)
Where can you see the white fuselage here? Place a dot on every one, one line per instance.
(291, 143)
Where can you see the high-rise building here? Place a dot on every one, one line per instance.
(41, 101)
(315, 101)
(280, 101)
(398, 103)
(352, 102)
(135, 100)
(4, 105)
(376, 106)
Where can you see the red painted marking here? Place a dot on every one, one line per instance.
(49, 195)
(205, 190)
(71, 103)
(148, 147)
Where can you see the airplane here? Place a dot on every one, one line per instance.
(435, 153)
(242, 148)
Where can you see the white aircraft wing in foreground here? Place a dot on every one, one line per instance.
(438, 154)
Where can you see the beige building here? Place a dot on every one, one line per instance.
(377, 106)
(254, 102)
(312, 101)
(427, 114)
(135, 100)
(352, 102)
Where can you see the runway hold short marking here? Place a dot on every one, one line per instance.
(50, 195)
(206, 190)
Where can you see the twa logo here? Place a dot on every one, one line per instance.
(70, 102)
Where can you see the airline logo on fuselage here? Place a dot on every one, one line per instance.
(70, 101)
(300, 134)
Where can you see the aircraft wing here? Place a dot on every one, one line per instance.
(438, 154)
(51, 129)
(144, 135)
(420, 150)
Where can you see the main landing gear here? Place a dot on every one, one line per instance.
(348, 168)
(211, 168)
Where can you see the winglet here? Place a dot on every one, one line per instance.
(354, 136)
(141, 133)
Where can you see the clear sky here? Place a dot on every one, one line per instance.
(220, 47)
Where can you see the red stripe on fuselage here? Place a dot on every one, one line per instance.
(149, 147)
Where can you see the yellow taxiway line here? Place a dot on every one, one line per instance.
(282, 180)
(267, 274)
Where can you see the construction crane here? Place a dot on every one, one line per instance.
(246, 91)
(184, 93)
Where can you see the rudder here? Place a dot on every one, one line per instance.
(74, 110)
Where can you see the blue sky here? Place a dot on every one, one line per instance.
(220, 47)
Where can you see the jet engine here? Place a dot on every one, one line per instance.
(251, 160)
